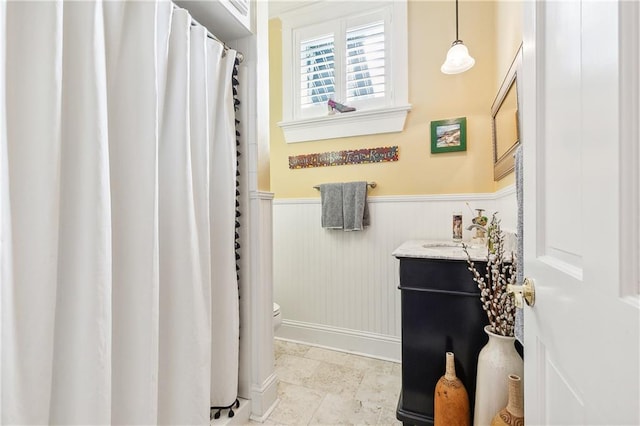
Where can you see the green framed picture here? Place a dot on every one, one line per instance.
(449, 135)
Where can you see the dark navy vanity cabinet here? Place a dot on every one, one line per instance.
(441, 312)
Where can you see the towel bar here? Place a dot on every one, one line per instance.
(371, 184)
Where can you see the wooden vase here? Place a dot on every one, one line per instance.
(451, 401)
(513, 413)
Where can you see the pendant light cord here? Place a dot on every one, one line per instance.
(457, 38)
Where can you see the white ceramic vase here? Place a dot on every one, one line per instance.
(497, 359)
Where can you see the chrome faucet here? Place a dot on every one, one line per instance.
(476, 226)
(481, 232)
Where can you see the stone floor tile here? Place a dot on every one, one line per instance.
(397, 369)
(383, 389)
(297, 404)
(336, 409)
(295, 370)
(369, 364)
(284, 347)
(388, 417)
(326, 355)
(335, 379)
(350, 360)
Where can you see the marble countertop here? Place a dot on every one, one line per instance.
(434, 249)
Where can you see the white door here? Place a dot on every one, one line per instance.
(579, 132)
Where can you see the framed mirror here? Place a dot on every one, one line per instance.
(506, 123)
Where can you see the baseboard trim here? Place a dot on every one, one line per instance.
(264, 397)
(372, 345)
(266, 415)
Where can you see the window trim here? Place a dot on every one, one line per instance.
(390, 118)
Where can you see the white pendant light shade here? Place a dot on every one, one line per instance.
(458, 59)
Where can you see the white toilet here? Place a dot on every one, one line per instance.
(277, 317)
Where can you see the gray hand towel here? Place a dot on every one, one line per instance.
(354, 206)
(331, 199)
(519, 324)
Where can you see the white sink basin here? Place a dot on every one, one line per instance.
(445, 249)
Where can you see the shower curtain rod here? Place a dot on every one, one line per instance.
(239, 55)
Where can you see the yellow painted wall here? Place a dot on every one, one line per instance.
(508, 39)
(263, 91)
(508, 35)
(433, 95)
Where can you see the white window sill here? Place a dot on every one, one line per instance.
(357, 123)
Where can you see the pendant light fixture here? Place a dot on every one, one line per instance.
(458, 59)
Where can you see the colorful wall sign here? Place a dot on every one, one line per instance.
(339, 158)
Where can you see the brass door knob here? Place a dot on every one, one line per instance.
(526, 291)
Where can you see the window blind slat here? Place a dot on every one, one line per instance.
(310, 71)
(366, 33)
(318, 41)
(359, 41)
(378, 79)
(319, 94)
(365, 66)
(371, 79)
(315, 55)
(316, 62)
(325, 88)
(376, 27)
(368, 92)
(376, 86)
(374, 50)
(311, 49)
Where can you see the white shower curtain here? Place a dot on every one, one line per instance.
(119, 299)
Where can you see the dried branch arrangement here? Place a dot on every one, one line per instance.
(496, 302)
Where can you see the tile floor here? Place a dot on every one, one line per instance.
(319, 386)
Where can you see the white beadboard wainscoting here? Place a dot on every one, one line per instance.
(339, 289)
(507, 207)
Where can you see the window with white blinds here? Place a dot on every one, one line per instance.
(364, 58)
(355, 54)
(343, 60)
